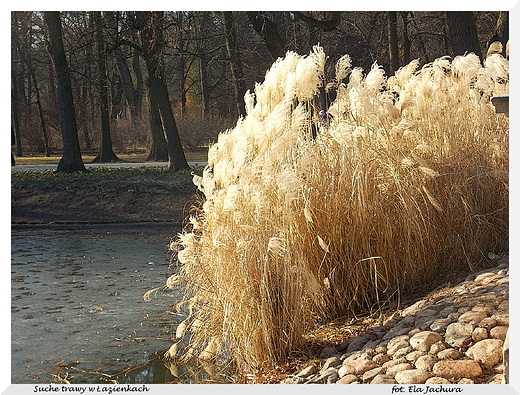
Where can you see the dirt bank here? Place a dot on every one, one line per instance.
(142, 199)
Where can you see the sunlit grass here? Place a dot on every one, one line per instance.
(407, 184)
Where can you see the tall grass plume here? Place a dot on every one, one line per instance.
(407, 181)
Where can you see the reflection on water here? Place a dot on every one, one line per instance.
(78, 313)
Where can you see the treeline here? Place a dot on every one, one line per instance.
(161, 82)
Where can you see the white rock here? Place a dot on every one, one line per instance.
(422, 341)
(413, 376)
(488, 352)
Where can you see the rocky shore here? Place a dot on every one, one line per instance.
(457, 335)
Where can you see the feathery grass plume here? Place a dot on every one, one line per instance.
(409, 183)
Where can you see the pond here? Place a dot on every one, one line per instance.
(78, 313)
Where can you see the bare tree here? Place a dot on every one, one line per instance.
(152, 42)
(463, 33)
(71, 160)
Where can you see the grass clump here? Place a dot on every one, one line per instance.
(408, 181)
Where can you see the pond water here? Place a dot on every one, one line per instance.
(78, 313)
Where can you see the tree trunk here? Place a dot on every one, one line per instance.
(46, 145)
(71, 160)
(393, 45)
(106, 153)
(235, 63)
(406, 38)
(158, 151)
(463, 33)
(153, 43)
(16, 113)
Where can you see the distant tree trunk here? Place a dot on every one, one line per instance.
(393, 45)
(15, 96)
(46, 145)
(235, 63)
(151, 26)
(463, 33)
(106, 153)
(204, 86)
(158, 151)
(406, 39)
(71, 160)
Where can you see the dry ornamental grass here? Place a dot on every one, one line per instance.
(405, 181)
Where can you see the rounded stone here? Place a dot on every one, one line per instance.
(479, 334)
(457, 369)
(396, 343)
(449, 353)
(402, 352)
(425, 362)
(383, 379)
(412, 357)
(488, 352)
(359, 366)
(422, 341)
(347, 379)
(499, 332)
(435, 348)
(473, 317)
(392, 371)
(413, 376)
(437, 380)
(458, 334)
(380, 358)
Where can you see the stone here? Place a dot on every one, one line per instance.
(458, 334)
(425, 362)
(370, 374)
(331, 363)
(501, 318)
(457, 369)
(358, 342)
(435, 348)
(499, 332)
(479, 334)
(308, 371)
(488, 352)
(413, 376)
(328, 376)
(358, 366)
(383, 379)
(380, 358)
(497, 379)
(396, 343)
(393, 362)
(347, 379)
(397, 368)
(327, 352)
(425, 313)
(465, 381)
(422, 341)
(402, 352)
(440, 324)
(449, 353)
(293, 380)
(504, 306)
(412, 357)
(437, 380)
(483, 308)
(351, 356)
(413, 308)
(488, 323)
(473, 317)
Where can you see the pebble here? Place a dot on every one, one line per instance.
(453, 339)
